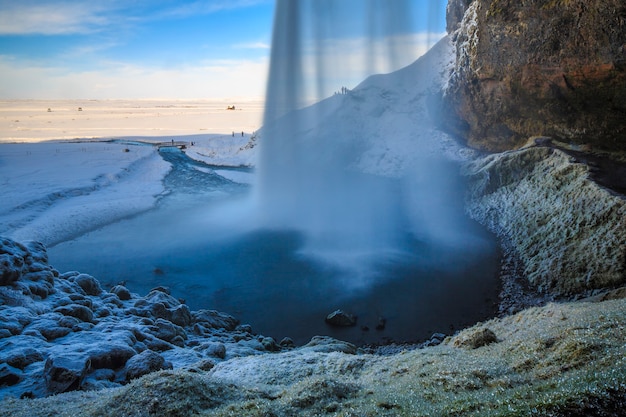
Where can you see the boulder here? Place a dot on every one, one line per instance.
(9, 376)
(37, 252)
(537, 68)
(12, 256)
(340, 318)
(160, 305)
(89, 284)
(10, 268)
(52, 332)
(145, 363)
(110, 355)
(121, 292)
(158, 295)
(38, 285)
(204, 365)
(21, 358)
(214, 349)
(215, 320)
(15, 318)
(156, 344)
(287, 342)
(327, 344)
(181, 315)
(75, 310)
(65, 372)
(475, 338)
(270, 344)
(168, 331)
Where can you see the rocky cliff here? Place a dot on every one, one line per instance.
(538, 67)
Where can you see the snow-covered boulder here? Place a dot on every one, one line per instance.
(63, 332)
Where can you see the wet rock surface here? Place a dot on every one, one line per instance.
(340, 318)
(532, 68)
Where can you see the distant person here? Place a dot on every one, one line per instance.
(233, 134)
(172, 141)
(242, 134)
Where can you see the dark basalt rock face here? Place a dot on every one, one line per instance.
(538, 68)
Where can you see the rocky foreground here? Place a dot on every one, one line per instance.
(116, 353)
(63, 332)
(112, 353)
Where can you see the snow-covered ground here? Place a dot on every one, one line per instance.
(37, 120)
(55, 190)
(52, 191)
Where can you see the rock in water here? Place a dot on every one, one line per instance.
(340, 318)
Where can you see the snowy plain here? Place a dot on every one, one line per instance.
(54, 189)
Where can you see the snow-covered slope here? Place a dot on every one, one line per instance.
(384, 125)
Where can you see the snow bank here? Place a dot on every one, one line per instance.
(53, 191)
(224, 150)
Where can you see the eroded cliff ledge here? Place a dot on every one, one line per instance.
(568, 232)
(538, 68)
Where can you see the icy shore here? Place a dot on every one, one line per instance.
(61, 332)
(53, 191)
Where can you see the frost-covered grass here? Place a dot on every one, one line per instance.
(569, 232)
(561, 359)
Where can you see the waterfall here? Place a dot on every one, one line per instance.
(307, 179)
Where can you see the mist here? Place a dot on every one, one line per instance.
(309, 176)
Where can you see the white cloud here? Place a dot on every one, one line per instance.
(214, 79)
(252, 45)
(53, 18)
(62, 17)
(346, 62)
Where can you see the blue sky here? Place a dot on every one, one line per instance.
(141, 49)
